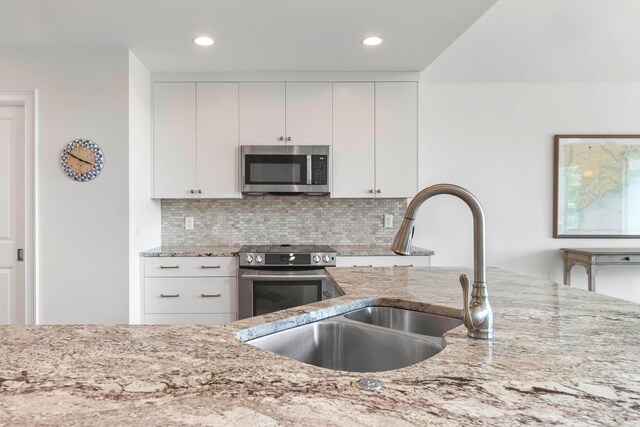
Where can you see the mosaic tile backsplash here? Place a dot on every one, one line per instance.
(281, 219)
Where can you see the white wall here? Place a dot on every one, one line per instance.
(497, 141)
(82, 253)
(144, 213)
(496, 138)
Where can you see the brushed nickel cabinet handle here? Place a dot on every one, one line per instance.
(371, 191)
(627, 258)
(397, 265)
(370, 265)
(288, 138)
(378, 191)
(281, 138)
(170, 295)
(192, 191)
(170, 266)
(211, 295)
(210, 266)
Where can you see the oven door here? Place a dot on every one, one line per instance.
(262, 291)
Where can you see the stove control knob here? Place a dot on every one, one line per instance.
(326, 258)
(316, 258)
(258, 259)
(249, 258)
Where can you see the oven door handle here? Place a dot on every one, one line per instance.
(273, 277)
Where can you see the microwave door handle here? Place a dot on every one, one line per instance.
(277, 277)
(309, 171)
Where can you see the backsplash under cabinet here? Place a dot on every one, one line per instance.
(280, 219)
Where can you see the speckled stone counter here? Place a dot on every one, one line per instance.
(212, 251)
(560, 356)
(186, 251)
(375, 250)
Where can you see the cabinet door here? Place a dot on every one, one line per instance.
(353, 140)
(262, 113)
(218, 152)
(396, 139)
(174, 140)
(309, 113)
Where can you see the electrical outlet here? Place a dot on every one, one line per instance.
(388, 221)
(188, 223)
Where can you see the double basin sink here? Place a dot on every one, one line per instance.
(370, 339)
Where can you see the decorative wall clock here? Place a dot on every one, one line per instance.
(82, 160)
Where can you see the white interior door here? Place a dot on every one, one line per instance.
(12, 215)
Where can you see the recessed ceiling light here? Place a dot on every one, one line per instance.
(372, 41)
(203, 41)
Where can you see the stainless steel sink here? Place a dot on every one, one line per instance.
(347, 346)
(371, 339)
(405, 320)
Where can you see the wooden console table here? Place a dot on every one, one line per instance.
(592, 259)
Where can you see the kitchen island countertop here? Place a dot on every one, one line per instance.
(560, 356)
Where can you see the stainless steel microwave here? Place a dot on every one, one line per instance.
(281, 169)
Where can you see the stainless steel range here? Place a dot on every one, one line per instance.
(276, 277)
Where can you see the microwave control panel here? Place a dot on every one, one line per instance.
(319, 168)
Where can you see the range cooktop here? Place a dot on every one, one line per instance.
(276, 249)
(287, 255)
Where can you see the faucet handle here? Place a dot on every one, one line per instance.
(466, 310)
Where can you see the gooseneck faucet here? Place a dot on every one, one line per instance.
(477, 314)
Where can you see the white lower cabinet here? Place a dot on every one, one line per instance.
(183, 290)
(383, 261)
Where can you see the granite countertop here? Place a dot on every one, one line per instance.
(560, 356)
(375, 250)
(187, 251)
(224, 251)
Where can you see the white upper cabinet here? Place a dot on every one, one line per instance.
(308, 113)
(396, 139)
(375, 139)
(285, 113)
(218, 158)
(198, 128)
(174, 140)
(353, 140)
(195, 140)
(262, 113)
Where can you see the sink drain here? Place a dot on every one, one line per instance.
(369, 384)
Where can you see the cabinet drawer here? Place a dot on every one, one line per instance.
(190, 266)
(617, 259)
(190, 295)
(383, 261)
(189, 319)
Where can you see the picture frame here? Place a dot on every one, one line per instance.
(596, 186)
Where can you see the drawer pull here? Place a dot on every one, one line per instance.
(370, 265)
(396, 265)
(211, 295)
(170, 266)
(170, 295)
(210, 266)
(627, 258)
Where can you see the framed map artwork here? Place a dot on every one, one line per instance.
(597, 186)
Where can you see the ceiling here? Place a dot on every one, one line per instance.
(546, 41)
(251, 35)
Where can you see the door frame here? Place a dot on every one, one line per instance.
(28, 100)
